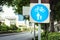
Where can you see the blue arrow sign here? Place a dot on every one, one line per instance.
(39, 13)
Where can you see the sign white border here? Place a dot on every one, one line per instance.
(47, 5)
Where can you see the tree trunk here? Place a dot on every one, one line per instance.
(52, 22)
(52, 3)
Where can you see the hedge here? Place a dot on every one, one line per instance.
(51, 36)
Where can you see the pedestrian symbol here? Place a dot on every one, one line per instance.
(39, 13)
(39, 17)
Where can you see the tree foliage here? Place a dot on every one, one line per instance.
(57, 11)
(17, 4)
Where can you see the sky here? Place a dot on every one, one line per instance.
(8, 12)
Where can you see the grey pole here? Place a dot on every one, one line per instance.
(39, 31)
(39, 26)
(39, 1)
(34, 31)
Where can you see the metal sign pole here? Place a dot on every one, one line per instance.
(34, 31)
(39, 26)
(39, 1)
(39, 31)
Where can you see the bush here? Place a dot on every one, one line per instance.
(13, 27)
(51, 36)
(54, 36)
(18, 30)
(0, 27)
(24, 29)
(4, 27)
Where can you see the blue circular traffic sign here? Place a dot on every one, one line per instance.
(39, 13)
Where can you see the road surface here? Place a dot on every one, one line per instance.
(18, 36)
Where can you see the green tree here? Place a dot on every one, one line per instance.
(57, 11)
(53, 14)
(17, 4)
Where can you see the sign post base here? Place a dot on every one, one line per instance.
(39, 32)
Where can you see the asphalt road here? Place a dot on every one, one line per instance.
(18, 36)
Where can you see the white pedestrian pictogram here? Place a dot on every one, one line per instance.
(39, 17)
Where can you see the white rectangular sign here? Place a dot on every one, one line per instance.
(48, 18)
(26, 10)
